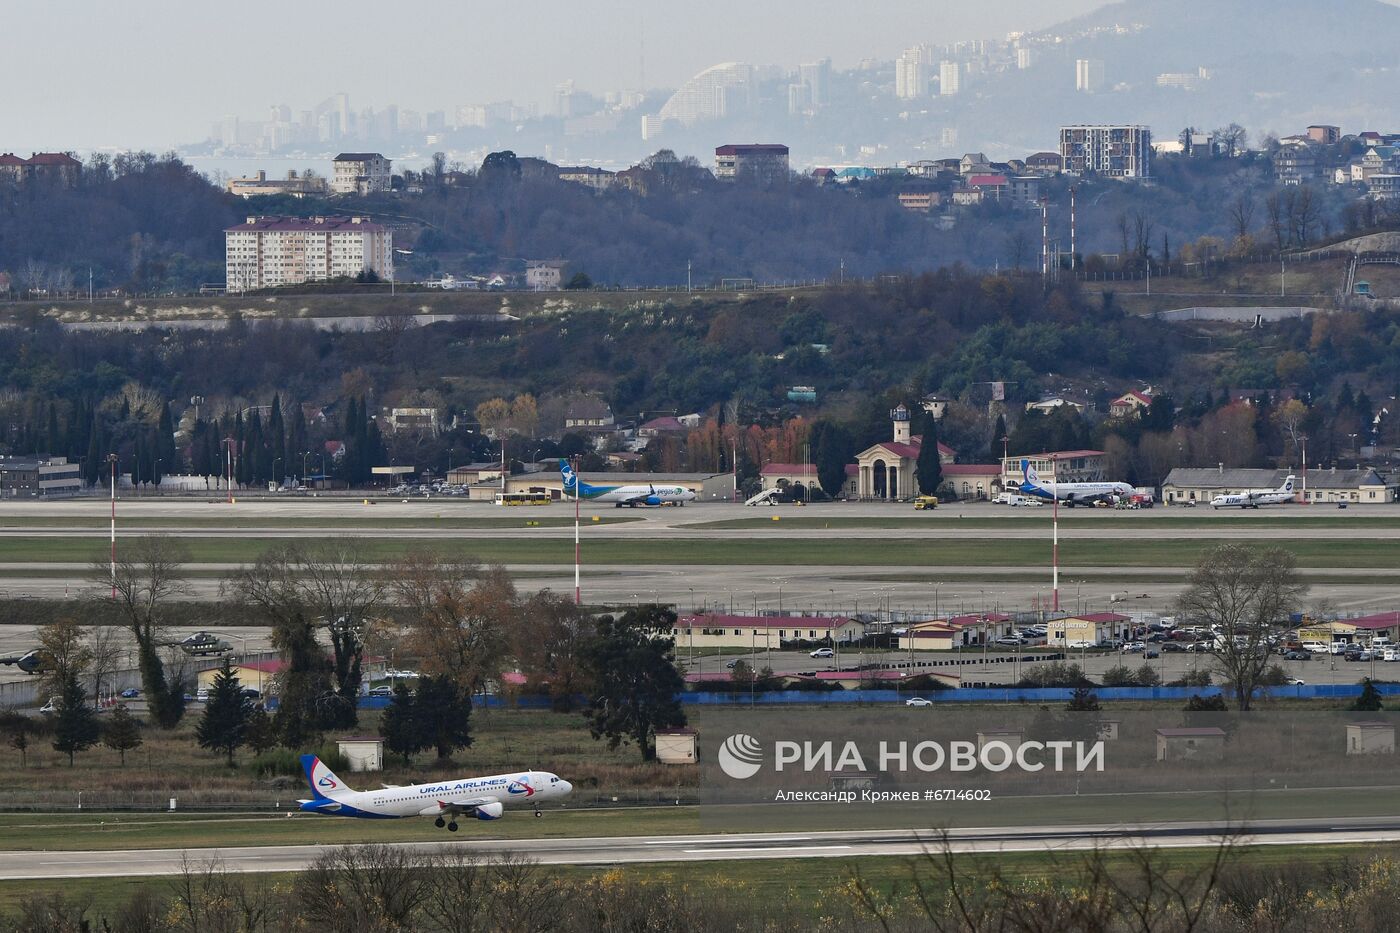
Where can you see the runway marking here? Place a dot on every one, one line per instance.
(725, 850)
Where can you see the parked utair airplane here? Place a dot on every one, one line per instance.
(484, 798)
(1255, 498)
(1071, 494)
(632, 496)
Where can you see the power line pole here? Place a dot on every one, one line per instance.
(1072, 241)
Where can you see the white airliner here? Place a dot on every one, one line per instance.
(1071, 494)
(632, 496)
(483, 798)
(1257, 497)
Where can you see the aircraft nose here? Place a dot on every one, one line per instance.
(565, 788)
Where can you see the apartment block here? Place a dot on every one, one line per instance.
(762, 162)
(265, 252)
(361, 173)
(1112, 151)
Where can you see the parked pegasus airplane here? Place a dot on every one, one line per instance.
(1256, 497)
(484, 798)
(1071, 494)
(631, 496)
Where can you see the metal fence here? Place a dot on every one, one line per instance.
(1017, 694)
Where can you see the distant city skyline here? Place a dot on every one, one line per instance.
(157, 73)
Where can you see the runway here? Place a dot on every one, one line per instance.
(629, 850)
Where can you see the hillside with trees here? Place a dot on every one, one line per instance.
(295, 400)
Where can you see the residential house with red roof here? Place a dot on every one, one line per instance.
(58, 166)
(720, 630)
(1130, 404)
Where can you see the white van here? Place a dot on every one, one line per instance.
(1390, 654)
(1317, 647)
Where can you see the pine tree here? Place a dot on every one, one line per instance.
(224, 726)
(399, 725)
(75, 726)
(122, 732)
(261, 733)
(442, 711)
(1083, 700)
(1370, 699)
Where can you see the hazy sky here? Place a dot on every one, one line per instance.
(153, 73)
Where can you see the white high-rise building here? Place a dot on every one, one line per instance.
(264, 252)
(911, 73)
(816, 76)
(949, 78)
(1088, 75)
(1023, 58)
(715, 93)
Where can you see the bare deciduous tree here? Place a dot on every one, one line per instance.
(1244, 595)
(147, 577)
(459, 617)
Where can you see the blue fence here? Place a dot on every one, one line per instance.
(958, 695)
(1017, 694)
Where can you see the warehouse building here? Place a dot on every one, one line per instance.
(1199, 485)
(41, 477)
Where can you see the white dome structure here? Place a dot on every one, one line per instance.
(709, 95)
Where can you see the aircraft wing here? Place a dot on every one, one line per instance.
(639, 498)
(448, 806)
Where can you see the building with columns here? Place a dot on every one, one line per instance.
(887, 470)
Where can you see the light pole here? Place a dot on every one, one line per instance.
(112, 460)
(304, 456)
(275, 461)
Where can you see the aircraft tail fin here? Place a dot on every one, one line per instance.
(1028, 471)
(570, 478)
(322, 780)
(1287, 486)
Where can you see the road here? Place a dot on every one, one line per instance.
(744, 847)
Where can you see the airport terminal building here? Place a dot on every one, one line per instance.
(1365, 486)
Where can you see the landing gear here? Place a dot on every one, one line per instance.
(538, 814)
(439, 822)
(452, 827)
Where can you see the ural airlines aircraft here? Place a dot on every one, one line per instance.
(1255, 498)
(1071, 494)
(484, 798)
(631, 496)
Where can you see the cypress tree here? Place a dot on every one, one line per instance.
(928, 468)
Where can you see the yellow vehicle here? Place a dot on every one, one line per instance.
(923, 503)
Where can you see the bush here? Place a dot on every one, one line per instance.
(1054, 674)
(284, 761)
(1119, 676)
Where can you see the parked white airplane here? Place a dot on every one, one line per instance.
(632, 496)
(1071, 494)
(483, 798)
(1255, 498)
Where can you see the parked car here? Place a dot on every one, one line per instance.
(822, 653)
(1317, 647)
(1135, 646)
(1390, 654)
(130, 693)
(1151, 653)
(1010, 640)
(918, 701)
(1297, 682)
(1173, 647)
(202, 695)
(1297, 654)
(381, 691)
